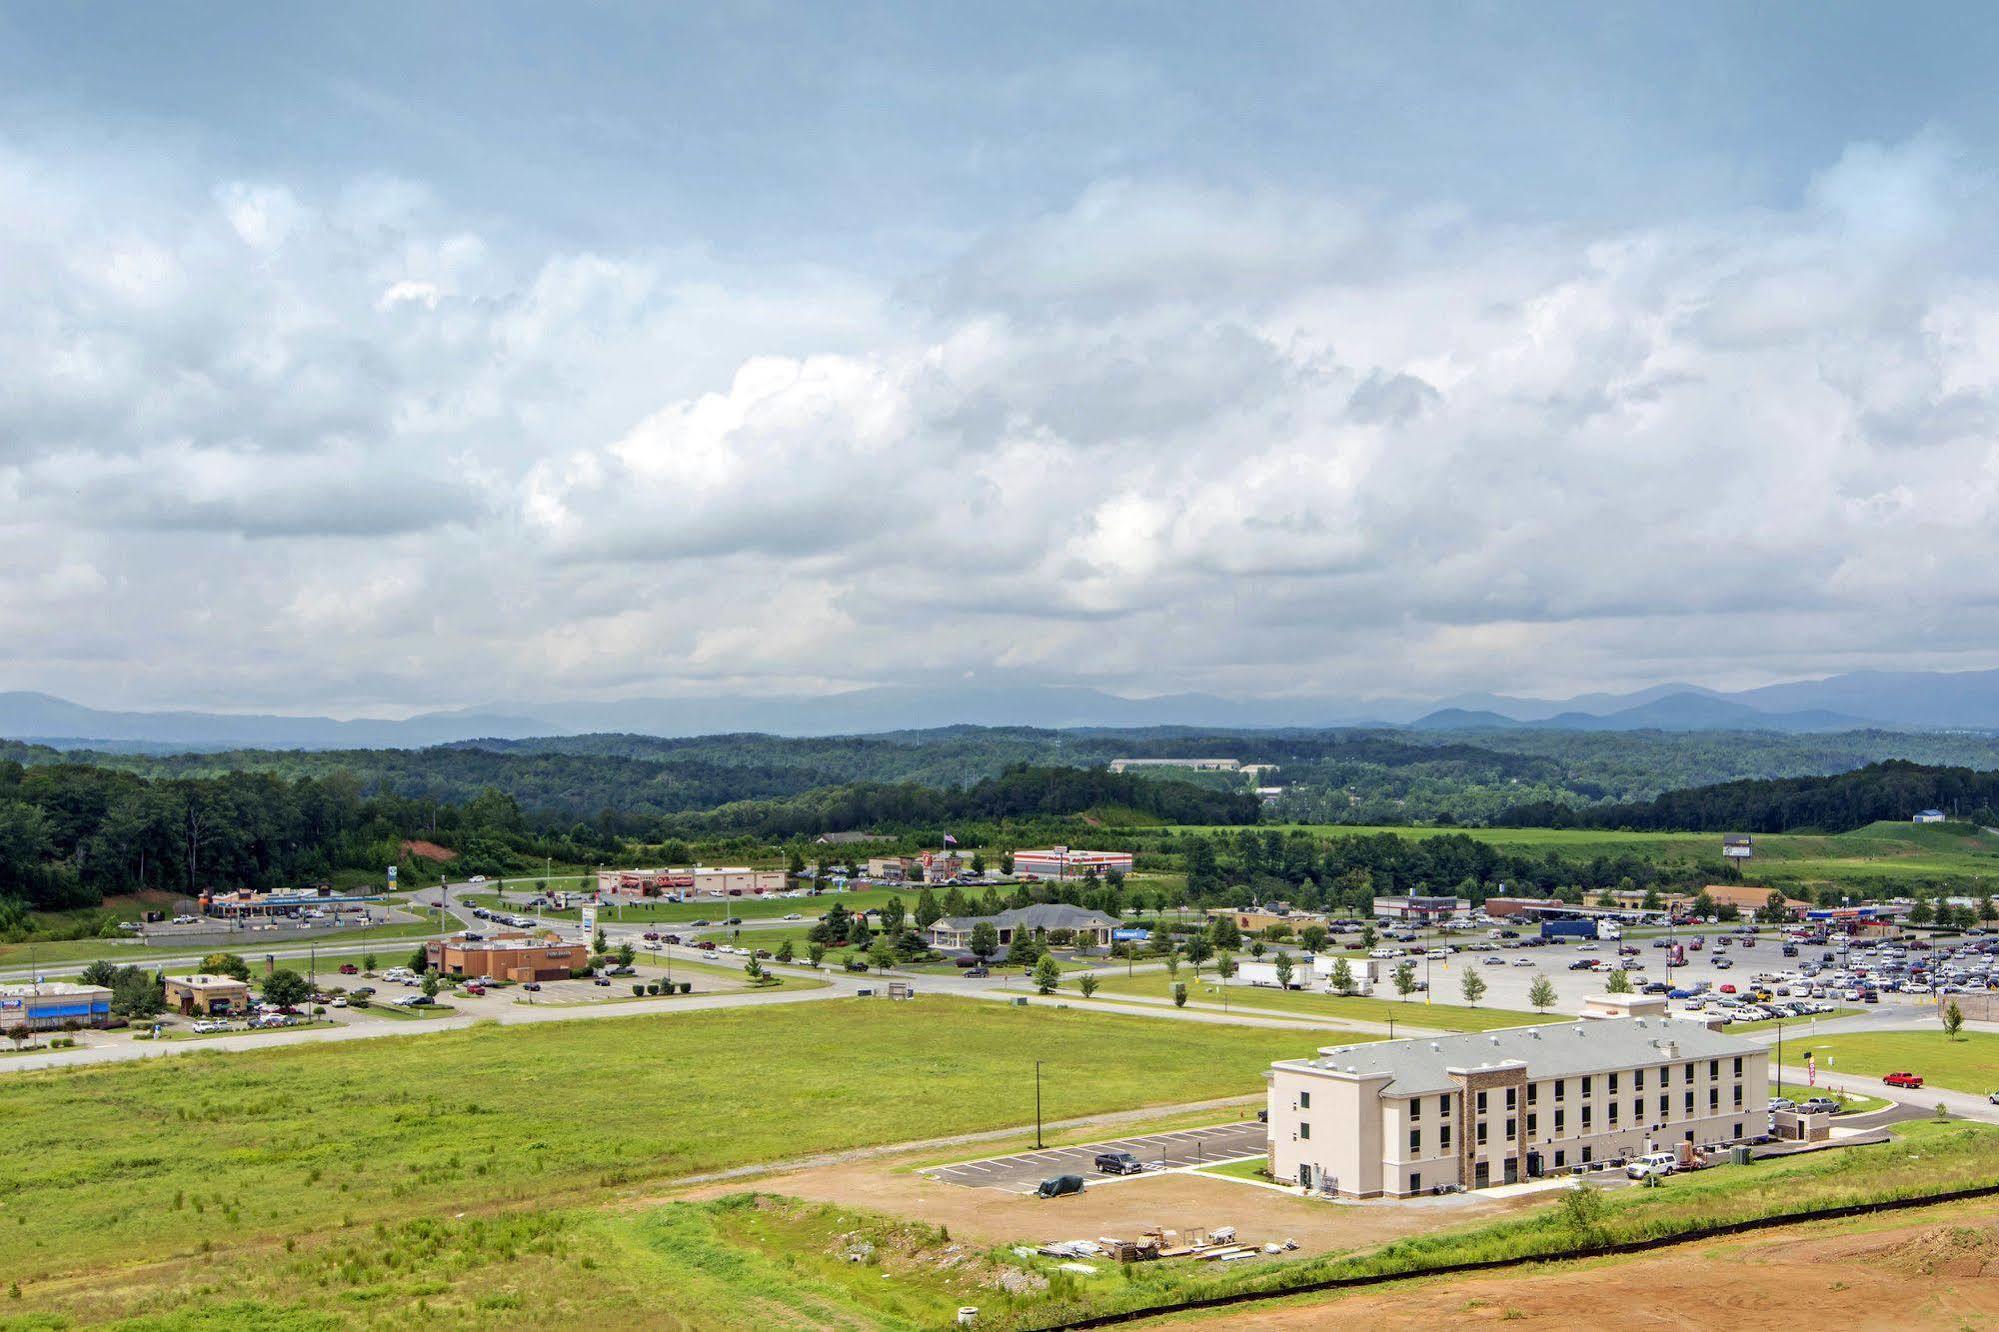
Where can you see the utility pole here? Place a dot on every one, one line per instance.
(1037, 1105)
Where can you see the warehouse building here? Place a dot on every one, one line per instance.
(513, 957)
(1400, 1118)
(47, 1005)
(692, 881)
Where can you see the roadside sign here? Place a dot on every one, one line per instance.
(589, 910)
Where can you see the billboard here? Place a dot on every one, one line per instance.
(589, 910)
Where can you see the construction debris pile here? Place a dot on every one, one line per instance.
(1219, 1245)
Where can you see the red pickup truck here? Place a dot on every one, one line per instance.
(1906, 1080)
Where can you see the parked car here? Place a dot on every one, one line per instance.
(1652, 1163)
(531, 985)
(1820, 1105)
(1908, 1081)
(1059, 1185)
(1119, 1163)
(601, 980)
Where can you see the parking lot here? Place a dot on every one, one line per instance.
(1021, 1172)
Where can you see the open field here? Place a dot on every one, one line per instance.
(1882, 850)
(1208, 990)
(1968, 1064)
(134, 1162)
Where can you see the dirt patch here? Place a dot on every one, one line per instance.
(430, 851)
(1183, 1202)
(1876, 1279)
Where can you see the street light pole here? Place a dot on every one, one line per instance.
(1037, 1105)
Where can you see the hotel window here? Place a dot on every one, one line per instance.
(1510, 1098)
(1444, 1105)
(1416, 1182)
(1586, 1151)
(1738, 1096)
(1481, 1103)
(1481, 1133)
(1510, 1126)
(1560, 1115)
(1533, 1123)
(1637, 1109)
(1738, 1066)
(1714, 1068)
(1304, 1130)
(1560, 1087)
(1415, 1109)
(1583, 1090)
(1665, 1105)
(1444, 1139)
(1613, 1112)
(1586, 1116)
(1713, 1099)
(1638, 1079)
(1304, 1100)
(1690, 1102)
(1415, 1142)
(1533, 1093)
(1665, 1075)
(1690, 1072)
(1612, 1086)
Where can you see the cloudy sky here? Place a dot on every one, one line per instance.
(369, 358)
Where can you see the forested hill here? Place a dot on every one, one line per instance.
(1892, 791)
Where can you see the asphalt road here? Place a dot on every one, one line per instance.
(1023, 1171)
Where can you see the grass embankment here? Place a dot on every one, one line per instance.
(1968, 1064)
(1927, 1159)
(112, 1166)
(1250, 998)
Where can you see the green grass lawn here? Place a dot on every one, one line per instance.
(115, 1164)
(171, 1034)
(1251, 1169)
(1968, 1064)
(1885, 849)
(1440, 1016)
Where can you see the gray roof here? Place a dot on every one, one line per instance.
(1041, 916)
(1558, 1050)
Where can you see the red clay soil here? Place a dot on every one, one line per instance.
(1941, 1273)
(430, 851)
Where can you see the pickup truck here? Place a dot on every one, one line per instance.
(1119, 1163)
(1908, 1081)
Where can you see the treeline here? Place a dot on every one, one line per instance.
(1892, 790)
(70, 833)
(1022, 793)
(1348, 872)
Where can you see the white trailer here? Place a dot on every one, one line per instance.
(1265, 974)
(1366, 971)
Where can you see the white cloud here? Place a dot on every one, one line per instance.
(1171, 437)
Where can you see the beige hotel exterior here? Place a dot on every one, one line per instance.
(1401, 1117)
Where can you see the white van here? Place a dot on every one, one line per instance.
(1652, 1163)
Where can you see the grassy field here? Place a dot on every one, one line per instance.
(1207, 990)
(1968, 1064)
(115, 1165)
(1878, 850)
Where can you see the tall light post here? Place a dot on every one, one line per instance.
(1037, 1105)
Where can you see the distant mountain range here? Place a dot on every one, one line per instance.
(1904, 700)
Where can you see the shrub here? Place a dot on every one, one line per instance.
(686, 987)
(652, 987)
(639, 988)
